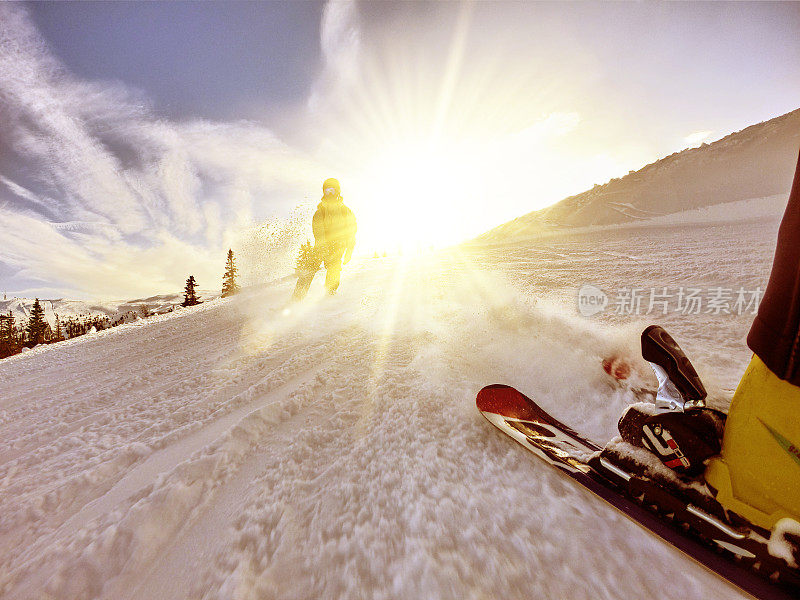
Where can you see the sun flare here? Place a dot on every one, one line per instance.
(409, 199)
(431, 153)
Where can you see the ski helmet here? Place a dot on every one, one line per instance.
(332, 183)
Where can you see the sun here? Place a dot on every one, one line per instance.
(412, 196)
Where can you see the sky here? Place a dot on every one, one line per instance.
(141, 140)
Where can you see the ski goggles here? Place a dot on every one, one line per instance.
(331, 191)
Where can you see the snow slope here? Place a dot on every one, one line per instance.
(250, 449)
(754, 163)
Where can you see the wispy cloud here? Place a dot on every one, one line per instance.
(340, 40)
(102, 197)
(696, 138)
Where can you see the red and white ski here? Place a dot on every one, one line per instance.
(736, 553)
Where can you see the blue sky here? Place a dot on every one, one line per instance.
(140, 140)
(222, 61)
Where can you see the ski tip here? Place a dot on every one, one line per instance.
(504, 400)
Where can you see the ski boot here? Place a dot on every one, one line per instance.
(757, 474)
(679, 429)
(735, 482)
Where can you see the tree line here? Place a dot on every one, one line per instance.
(14, 337)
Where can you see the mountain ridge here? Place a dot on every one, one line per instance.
(756, 162)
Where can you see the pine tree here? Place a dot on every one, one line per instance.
(59, 334)
(189, 294)
(9, 344)
(229, 286)
(37, 327)
(7, 327)
(305, 258)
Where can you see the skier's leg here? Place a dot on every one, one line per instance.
(305, 277)
(304, 280)
(333, 266)
(758, 472)
(332, 275)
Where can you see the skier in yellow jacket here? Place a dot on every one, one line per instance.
(334, 227)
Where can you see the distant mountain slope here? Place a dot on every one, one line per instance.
(65, 309)
(756, 162)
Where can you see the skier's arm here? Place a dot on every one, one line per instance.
(351, 236)
(318, 228)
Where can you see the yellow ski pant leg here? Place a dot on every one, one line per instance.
(758, 472)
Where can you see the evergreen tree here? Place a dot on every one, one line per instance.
(59, 334)
(37, 327)
(305, 258)
(189, 294)
(229, 286)
(9, 344)
(7, 327)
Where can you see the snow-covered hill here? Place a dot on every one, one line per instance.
(21, 308)
(754, 163)
(248, 448)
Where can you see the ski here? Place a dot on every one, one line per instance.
(689, 522)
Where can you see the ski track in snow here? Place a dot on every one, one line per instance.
(249, 450)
